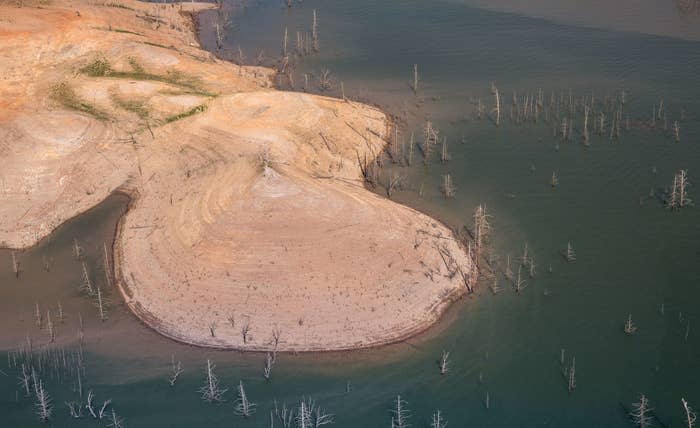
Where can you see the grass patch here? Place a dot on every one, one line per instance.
(120, 30)
(101, 67)
(136, 67)
(119, 5)
(137, 106)
(66, 96)
(158, 45)
(191, 112)
(98, 68)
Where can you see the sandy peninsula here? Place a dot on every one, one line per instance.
(249, 226)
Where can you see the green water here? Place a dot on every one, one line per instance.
(632, 257)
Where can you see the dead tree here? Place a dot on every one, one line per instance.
(269, 362)
(25, 381)
(444, 363)
(678, 197)
(570, 255)
(87, 283)
(640, 413)
(629, 328)
(482, 228)
(211, 391)
(285, 415)
(495, 289)
(586, 141)
(115, 421)
(43, 405)
(676, 131)
(400, 414)
(101, 303)
(690, 415)
(415, 79)
(245, 330)
(176, 371)
(77, 249)
(284, 43)
(569, 373)
(324, 80)
(497, 102)
(61, 317)
(303, 416)
(49, 327)
(243, 407)
(525, 258)
(683, 199)
(46, 262)
(276, 334)
(219, 35)
(394, 182)
(509, 271)
(89, 404)
(448, 189)
(15, 265)
(316, 415)
(103, 409)
(520, 282)
(38, 320)
(444, 155)
(75, 409)
(314, 32)
(231, 318)
(438, 421)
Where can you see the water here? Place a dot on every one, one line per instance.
(631, 258)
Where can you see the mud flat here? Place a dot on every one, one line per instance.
(249, 226)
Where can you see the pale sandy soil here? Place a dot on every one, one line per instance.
(216, 238)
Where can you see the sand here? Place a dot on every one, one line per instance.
(249, 226)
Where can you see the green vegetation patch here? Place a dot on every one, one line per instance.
(121, 30)
(191, 112)
(137, 106)
(67, 97)
(119, 5)
(100, 67)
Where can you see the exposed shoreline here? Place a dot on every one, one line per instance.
(235, 208)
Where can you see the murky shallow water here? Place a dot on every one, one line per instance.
(631, 258)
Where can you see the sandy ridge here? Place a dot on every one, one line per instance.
(248, 218)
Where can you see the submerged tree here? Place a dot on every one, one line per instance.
(630, 328)
(497, 103)
(678, 197)
(640, 413)
(482, 228)
(400, 414)
(309, 415)
(520, 283)
(554, 181)
(243, 407)
(44, 409)
(444, 362)
(269, 362)
(690, 415)
(570, 255)
(211, 391)
(438, 421)
(448, 189)
(414, 87)
(175, 372)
